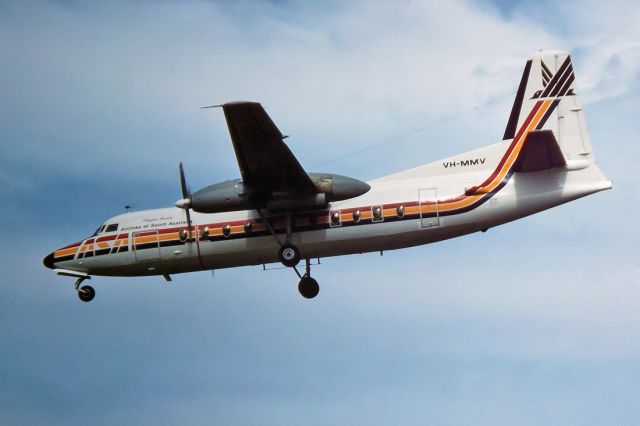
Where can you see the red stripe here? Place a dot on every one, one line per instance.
(70, 246)
(108, 238)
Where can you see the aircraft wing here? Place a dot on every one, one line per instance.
(266, 162)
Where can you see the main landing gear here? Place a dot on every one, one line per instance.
(86, 293)
(290, 256)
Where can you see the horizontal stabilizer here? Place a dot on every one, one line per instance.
(540, 151)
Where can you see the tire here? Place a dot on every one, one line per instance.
(86, 293)
(289, 255)
(308, 287)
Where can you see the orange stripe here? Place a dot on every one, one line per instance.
(503, 172)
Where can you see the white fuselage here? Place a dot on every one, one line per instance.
(419, 206)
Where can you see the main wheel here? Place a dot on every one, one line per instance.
(86, 293)
(308, 287)
(289, 255)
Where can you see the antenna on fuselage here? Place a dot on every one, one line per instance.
(128, 207)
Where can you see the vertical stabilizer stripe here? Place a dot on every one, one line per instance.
(566, 86)
(556, 77)
(568, 72)
(512, 124)
(548, 114)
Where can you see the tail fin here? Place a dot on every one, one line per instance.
(547, 100)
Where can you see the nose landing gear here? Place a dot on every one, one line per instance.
(86, 293)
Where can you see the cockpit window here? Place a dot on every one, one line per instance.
(99, 230)
(112, 228)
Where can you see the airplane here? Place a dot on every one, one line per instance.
(277, 212)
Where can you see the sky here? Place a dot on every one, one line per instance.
(534, 322)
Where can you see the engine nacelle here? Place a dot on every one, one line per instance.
(233, 195)
(221, 197)
(337, 187)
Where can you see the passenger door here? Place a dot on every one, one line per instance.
(146, 246)
(429, 213)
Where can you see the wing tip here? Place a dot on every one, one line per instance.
(231, 104)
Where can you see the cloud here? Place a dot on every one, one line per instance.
(533, 322)
(349, 76)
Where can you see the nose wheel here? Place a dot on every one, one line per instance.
(86, 293)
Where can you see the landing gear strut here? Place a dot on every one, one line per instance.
(86, 293)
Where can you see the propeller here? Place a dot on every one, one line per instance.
(185, 202)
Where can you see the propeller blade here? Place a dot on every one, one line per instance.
(183, 184)
(185, 203)
(188, 220)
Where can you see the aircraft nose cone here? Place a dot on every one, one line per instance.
(48, 261)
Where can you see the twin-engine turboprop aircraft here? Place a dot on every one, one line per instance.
(279, 212)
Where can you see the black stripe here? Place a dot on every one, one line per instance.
(561, 82)
(566, 86)
(512, 124)
(63, 258)
(546, 72)
(556, 77)
(171, 243)
(548, 114)
(146, 246)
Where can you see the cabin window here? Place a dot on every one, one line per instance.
(226, 230)
(112, 228)
(248, 227)
(204, 232)
(377, 214)
(400, 211)
(335, 218)
(183, 235)
(357, 215)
